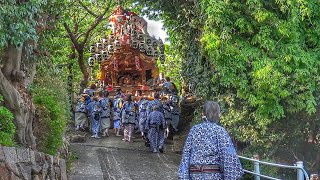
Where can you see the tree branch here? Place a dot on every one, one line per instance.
(87, 9)
(94, 25)
(72, 37)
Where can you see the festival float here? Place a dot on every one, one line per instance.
(127, 58)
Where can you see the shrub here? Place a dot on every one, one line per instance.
(7, 127)
(52, 115)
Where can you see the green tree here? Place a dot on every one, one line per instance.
(85, 22)
(260, 60)
(21, 25)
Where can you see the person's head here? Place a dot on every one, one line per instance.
(138, 93)
(174, 92)
(93, 86)
(128, 98)
(95, 98)
(118, 92)
(144, 97)
(82, 99)
(100, 93)
(161, 75)
(106, 93)
(155, 108)
(211, 110)
(156, 95)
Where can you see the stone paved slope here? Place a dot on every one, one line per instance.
(111, 158)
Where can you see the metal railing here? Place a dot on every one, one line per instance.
(301, 172)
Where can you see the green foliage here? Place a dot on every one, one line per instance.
(50, 98)
(172, 66)
(7, 127)
(260, 60)
(12, 28)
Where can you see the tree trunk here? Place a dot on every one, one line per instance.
(12, 63)
(83, 68)
(16, 98)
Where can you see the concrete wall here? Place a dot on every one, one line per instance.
(21, 163)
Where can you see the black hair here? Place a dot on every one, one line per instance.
(156, 96)
(139, 92)
(129, 98)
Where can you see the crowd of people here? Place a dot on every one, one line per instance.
(208, 152)
(153, 117)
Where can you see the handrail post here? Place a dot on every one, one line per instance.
(256, 167)
(300, 175)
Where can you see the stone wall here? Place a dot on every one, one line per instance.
(21, 163)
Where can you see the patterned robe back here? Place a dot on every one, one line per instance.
(117, 106)
(210, 144)
(128, 113)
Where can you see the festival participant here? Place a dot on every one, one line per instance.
(80, 114)
(90, 107)
(106, 106)
(138, 102)
(156, 125)
(208, 151)
(155, 102)
(167, 85)
(167, 112)
(143, 105)
(128, 118)
(175, 109)
(117, 106)
(91, 90)
(95, 115)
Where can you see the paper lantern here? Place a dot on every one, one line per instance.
(91, 61)
(92, 48)
(161, 48)
(99, 47)
(155, 53)
(110, 49)
(104, 55)
(135, 44)
(141, 37)
(162, 58)
(148, 41)
(117, 44)
(149, 51)
(141, 47)
(99, 58)
(154, 44)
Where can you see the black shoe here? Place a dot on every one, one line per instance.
(146, 143)
(161, 150)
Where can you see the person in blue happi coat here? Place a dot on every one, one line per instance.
(156, 126)
(117, 106)
(81, 119)
(175, 109)
(142, 110)
(155, 102)
(128, 118)
(208, 152)
(106, 105)
(95, 111)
